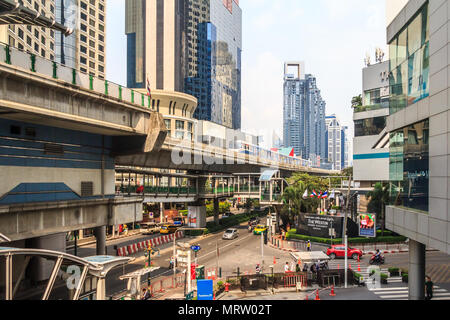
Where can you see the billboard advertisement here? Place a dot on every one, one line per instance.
(367, 225)
(319, 226)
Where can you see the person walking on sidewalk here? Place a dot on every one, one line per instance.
(429, 286)
(308, 246)
(145, 294)
(286, 267)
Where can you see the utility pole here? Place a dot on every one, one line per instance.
(345, 229)
(262, 250)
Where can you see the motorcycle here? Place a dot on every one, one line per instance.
(377, 261)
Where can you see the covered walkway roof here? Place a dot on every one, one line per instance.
(12, 12)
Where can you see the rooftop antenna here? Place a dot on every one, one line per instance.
(379, 55)
(367, 60)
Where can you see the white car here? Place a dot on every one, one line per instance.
(230, 234)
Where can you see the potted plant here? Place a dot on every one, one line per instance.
(394, 272)
(383, 278)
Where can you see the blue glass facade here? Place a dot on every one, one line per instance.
(214, 75)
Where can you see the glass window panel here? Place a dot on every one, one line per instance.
(393, 54)
(415, 77)
(401, 47)
(415, 35)
(425, 26)
(425, 80)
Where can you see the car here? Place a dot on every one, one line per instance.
(168, 228)
(149, 228)
(260, 229)
(230, 234)
(338, 251)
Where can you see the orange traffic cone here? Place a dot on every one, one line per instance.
(359, 267)
(317, 295)
(332, 291)
(358, 258)
(274, 260)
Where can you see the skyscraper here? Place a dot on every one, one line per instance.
(83, 50)
(188, 46)
(337, 146)
(303, 114)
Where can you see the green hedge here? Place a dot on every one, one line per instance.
(379, 239)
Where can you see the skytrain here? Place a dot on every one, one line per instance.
(257, 151)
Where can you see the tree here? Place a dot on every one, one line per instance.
(357, 101)
(293, 196)
(379, 198)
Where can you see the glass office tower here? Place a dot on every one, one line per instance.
(192, 47)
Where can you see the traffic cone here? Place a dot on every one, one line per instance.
(359, 267)
(214, 296)
(332, 292)
(358, 258)
(317, 295)
(274, 260)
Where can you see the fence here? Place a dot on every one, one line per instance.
(143, 245)
(264, 281)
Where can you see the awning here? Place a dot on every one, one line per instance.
(309, 257)
(267, 175)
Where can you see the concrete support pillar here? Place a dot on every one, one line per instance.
(216, 211)
(100, 235)
(161, 212)
(416, 275)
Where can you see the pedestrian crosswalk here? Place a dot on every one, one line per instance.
(401, 293)
(362, 268)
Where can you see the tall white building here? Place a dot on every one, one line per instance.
(337, 145)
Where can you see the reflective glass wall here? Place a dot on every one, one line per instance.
(409, 166)
(409, 63)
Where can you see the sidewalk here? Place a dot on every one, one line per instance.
(91, 240)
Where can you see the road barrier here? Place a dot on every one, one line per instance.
(317, 293)
(144, 245)
(291, 281)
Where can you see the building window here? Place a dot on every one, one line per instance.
(369, 127)
(409, 166)
(179, 125)
(409, 63)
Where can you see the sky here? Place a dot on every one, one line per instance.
(332, 37)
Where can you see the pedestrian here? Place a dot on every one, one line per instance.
(286, 267)
(297, 268)
(145, 294)
(429, 286)
(308, 246)
(283, 235)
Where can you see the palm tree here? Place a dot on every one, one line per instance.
(357, 101)
(379, 198)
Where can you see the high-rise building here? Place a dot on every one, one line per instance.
(419, 133)
(337, 143)
(36, 40)
(303, 114)
(188, 46)
(84, 49)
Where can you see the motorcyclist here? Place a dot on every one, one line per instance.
(378, 256)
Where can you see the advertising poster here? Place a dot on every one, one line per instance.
(367, 225)
(197, 217)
